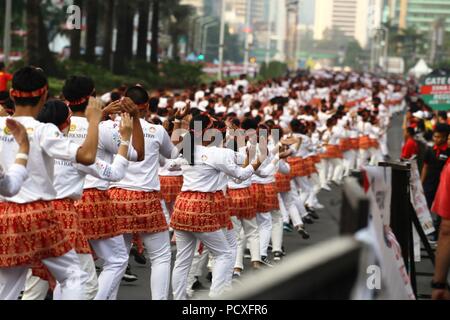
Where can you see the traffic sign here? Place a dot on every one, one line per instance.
(435, 89)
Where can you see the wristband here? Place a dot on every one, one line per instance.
(22, 156)
(125, 143)
(439, 286)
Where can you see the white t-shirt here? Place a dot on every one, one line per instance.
(108, 145)
(47, 143)
(205, 176)
(143, 176)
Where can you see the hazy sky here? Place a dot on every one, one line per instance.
(307, 11)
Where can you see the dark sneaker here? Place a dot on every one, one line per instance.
(287, 227)
(247, 254)
(198, 285)
(314, 215)
(209, 277)
(266, 262)
(308, 220)
(128, 276)
(305, 235)
(277, 256)
(139, 258)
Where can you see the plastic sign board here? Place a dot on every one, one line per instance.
(435, 90)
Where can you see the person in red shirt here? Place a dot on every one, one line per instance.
(4, 78)
(411, 148)
(442, 207)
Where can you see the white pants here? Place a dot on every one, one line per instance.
(349, 161)
(37, 289)
(217, 245)
(113, 253)
(264, 221)
(363, 158)
(375, 156)
(384, 145)
(65, 269)
(277, 231)
(246, 231)
(322, 167)
(335, 169)
(157, 246)
(287, 201)
(166, 212)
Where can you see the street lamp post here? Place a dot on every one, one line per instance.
(247, 36)
(269, 35)
(221, 40)
(7, 32)
(386, 48)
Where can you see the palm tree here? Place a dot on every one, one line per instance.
(38, 52)
(179, 25)
(124, 37)
(108, 33)
(91, 33)
(75, 37)
(155, 33)
(144, 10)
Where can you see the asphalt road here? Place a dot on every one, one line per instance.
(325, 228)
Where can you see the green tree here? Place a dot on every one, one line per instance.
(38, 52)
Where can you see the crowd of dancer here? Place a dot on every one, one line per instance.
(215, 170)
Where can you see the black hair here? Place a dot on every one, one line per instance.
(115, 96)
(2, 65)
(137, 94)
(205, 121)
(442, 114)
(298, 127)
(249, 123)
(76, 88)
(28, 79)
(411, 132)
(55, 112)
(195, 112)
(442, 128)
(156, 121)
(154, 103)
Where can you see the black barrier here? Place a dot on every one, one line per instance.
(355, 208)
(403, 217)
(326, 271)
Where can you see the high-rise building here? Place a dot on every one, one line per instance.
(354, 18)
(420, 14)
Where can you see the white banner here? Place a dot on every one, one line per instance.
(419, 201)
(396, 284)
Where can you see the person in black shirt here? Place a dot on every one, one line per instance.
(434, 161)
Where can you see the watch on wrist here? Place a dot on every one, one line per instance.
(439, 285)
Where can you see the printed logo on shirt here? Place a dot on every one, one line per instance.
(30, 131)
(204, 158)
(73, 127)
(6, 131)
(152, 130)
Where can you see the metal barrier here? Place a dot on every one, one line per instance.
(326, 271)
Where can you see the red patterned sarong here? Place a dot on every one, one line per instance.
(170, 187)
(96, 215)
(196, 212)
(137, 211)
(30, 233)
(241, 203)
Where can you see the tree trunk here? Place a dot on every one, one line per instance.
(129, 31)
(38, 53)
(175, 47)
(155, 34)
(75, 38)
(108, 30)
(144, 10)
(120, 53)
(91, 33)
